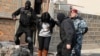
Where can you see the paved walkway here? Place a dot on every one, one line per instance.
(90, 52)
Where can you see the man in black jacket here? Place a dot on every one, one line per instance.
(67, 32)
(26, 22)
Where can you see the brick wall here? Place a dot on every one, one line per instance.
(92, 38)
(7, 26)
(7, 29)
(7, 7)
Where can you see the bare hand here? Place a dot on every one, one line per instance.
(14, 18)
(68, 46)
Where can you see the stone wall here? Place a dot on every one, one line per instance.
(7, 7)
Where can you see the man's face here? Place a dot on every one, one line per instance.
(73, 14)
(27, 4)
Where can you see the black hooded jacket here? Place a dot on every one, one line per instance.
(27, 14)
(67, 30)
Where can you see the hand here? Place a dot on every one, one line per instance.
(14, 18)
(68, 46)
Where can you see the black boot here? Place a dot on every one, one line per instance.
(17, 41)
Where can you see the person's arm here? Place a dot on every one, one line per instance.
(55, 22)
(83, 26)
(69, 31)
(16, 13)
(34, 17)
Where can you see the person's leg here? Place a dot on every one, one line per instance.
(34, 36)
(78, 46)
(59, 48)
(46, 45)
(41, 43)
(38, 8)
(65, 51)
(74, 42)
(17, 35)
(29, 39)
(29, 34)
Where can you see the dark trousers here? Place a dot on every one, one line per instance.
(44, 42)
(28, 33)
(62, 50)
(78, 46)
(37, 8)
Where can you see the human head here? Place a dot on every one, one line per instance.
(60, 17)
(27, 4)
(73, 13)
(45, 17)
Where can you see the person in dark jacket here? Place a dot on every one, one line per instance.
(45, 30)
(67, 32)
(26, 22)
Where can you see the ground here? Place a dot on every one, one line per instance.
(85, 52)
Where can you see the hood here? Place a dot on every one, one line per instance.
(27, 5)
(60, 17)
